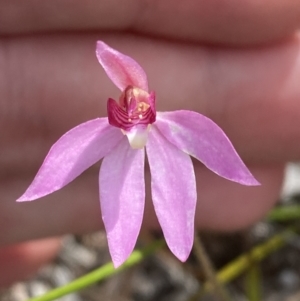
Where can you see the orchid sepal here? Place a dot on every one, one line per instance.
(204, 140)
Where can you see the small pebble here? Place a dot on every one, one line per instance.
(289, 279)
(38, 288)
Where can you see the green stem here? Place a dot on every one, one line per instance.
(257, 254)
(284, 213)
(253, 282)
(99, 274)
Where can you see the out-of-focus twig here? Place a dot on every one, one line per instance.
(209, 271)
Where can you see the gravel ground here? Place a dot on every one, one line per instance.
(161, 277)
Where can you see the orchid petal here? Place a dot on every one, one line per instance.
(120, 68)
(122, 198)
(201, 138)
(174, 195)
(73, 153)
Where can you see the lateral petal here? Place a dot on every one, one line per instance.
(120, 68)
(201, 138)
(174, 196)
(122, 198)
(72, 154)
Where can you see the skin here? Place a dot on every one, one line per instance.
(235, 62)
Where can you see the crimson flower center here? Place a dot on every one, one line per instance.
(135, 107)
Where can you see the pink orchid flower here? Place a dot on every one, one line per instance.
(133, 126)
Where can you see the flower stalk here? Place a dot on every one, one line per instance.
(101, 273)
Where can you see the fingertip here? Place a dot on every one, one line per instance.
(21, 261)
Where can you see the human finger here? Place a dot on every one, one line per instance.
(221, 205)
(18, 262)
(48, 85)
(228, 22)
